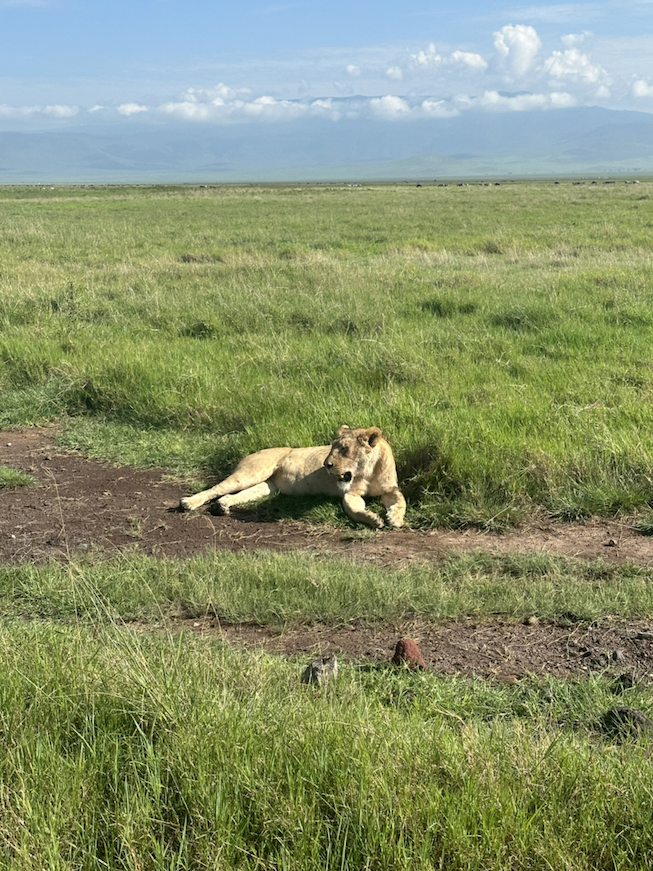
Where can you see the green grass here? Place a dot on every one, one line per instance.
(286, 590)
(14, 478)
(500, 336)
(130, 751)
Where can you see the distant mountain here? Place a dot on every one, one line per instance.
(564, 141)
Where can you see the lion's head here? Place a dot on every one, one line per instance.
(352, 455)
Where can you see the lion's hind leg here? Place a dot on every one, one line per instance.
(258, 491)
(252, 471)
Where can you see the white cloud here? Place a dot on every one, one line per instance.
(516, 47)
(61, 111)
(641, 88)
(438, 109)
(570, 40)
(27, 111)
(131, 109)
(493, 101)
(325, 109)
(353, 70)
(574, 64)
(389, 107)
(219, 92)
(18, 111)
(189, 111)
(275, 110)
(428, 59)
(395, 73)
(469, 59)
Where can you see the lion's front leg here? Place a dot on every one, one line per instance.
(395, 507)
(355, 508)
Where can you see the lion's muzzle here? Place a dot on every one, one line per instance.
(342, 479)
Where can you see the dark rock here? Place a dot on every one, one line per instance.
(408, 653)
(625, 681)
(623, 721)
(320, 671)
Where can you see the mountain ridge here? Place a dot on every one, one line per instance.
(563, 141)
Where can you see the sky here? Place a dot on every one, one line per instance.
(134, 62)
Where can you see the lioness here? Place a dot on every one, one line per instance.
(358, 463)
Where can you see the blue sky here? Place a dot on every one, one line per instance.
(80, 62)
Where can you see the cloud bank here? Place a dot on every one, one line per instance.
(519, 73)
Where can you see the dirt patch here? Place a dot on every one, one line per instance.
(498, 650)
(81, 505)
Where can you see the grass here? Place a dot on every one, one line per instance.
(499, 336)
(290, 590)
(14, 478)
(146, 752)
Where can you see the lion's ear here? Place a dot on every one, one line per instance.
(343, 429)
(373, 435)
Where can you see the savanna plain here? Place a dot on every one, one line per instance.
(500, 335)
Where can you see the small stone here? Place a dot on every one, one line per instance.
(532, 621)
(320, 671)
(618, 655)
(408, 653)
(610, 543)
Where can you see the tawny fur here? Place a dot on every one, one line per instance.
(358, 463)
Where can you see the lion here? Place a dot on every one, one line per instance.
(358, 463)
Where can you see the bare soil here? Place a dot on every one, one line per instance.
(81, 505)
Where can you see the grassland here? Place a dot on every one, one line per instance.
(127, 747)
(501, 337)
(128, 752)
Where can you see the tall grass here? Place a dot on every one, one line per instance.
(130, 751)
(500, 336)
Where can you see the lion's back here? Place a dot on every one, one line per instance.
(302, 473)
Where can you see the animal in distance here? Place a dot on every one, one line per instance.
(358, 463)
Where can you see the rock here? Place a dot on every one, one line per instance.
(320, 671)
(623, 720)
(408, 653)
(625, 681)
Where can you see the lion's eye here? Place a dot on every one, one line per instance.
(344, 452)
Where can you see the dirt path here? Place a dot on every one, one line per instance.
(82, 505)
(498, 650)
